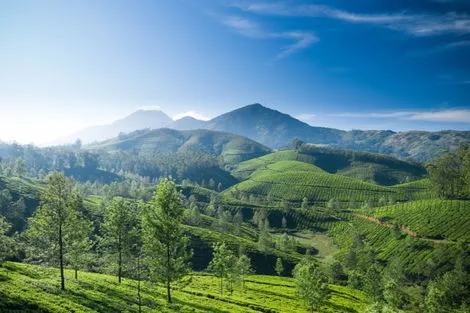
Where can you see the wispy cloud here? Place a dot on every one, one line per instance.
(440, 49)
(414, 24)
(193, 114)
(306, 117)
(245, 27)
(450, 115)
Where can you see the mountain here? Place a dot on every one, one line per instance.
(187, 123)
(276, 130)
(270, 127)
(233, 148)
(141, 119)
(422, 145)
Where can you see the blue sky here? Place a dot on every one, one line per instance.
(347, 64)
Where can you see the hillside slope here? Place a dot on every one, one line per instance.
(270, 127)
(232, 148)
(374, 168)
(27, 288)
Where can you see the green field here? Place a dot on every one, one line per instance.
(294, 180)
(437, 219)
(27, 288)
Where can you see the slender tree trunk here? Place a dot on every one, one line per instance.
(61, 258)
(119, 259)
(168, 287)
(139, 298)
(76, 274)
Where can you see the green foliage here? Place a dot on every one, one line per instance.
(450, 174)
(51, 230)
(222, 263)
(311, 284)
(165, 246)
(279, 267)
(120, 232)
(6, 244)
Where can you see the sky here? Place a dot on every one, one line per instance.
(363, 64)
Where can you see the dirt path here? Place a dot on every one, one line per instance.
(402, 228)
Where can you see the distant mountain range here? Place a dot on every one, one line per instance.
(275, 129)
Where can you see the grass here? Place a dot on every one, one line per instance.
(28, 288)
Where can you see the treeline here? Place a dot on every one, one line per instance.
(104, 167)
(450, 174)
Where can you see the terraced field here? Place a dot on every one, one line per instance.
(436, 219)
(294, 180)
(417, 256)
(27, 288)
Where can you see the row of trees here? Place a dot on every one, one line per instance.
(61, 232)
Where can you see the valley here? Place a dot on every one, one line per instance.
(363, 220)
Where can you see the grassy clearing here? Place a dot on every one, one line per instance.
(27, 288)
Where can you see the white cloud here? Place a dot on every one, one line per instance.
(149, 108)
(306, 117)
(245, 27)
(414, 24)
(450, 115)
(193, 114)
(461, 116)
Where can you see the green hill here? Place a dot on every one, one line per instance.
(294, 180)
(232, 148)
(12, 189)
(27, 288)
(369, 167)
(436, 219)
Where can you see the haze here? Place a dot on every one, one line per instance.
(368, 64)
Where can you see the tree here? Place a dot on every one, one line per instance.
(119, 225)
(304, 203)
(5, 241)
(164, 242)
(79, 242)
(221, 261)
(50, 224)
(279, 268)
(311, 284)
(244, 268)
(373, 282)
(450, 174)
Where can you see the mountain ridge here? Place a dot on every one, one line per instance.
(276, 130)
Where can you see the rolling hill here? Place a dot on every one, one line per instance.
(232, 148)
(276, 130)
(435, 219)
(294, 180)
(186, 123)
(27, 288)
(374, 168)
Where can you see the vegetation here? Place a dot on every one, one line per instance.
(191, 242)
(450, 174)
(165, 246)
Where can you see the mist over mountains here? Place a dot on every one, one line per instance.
(276, 130)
